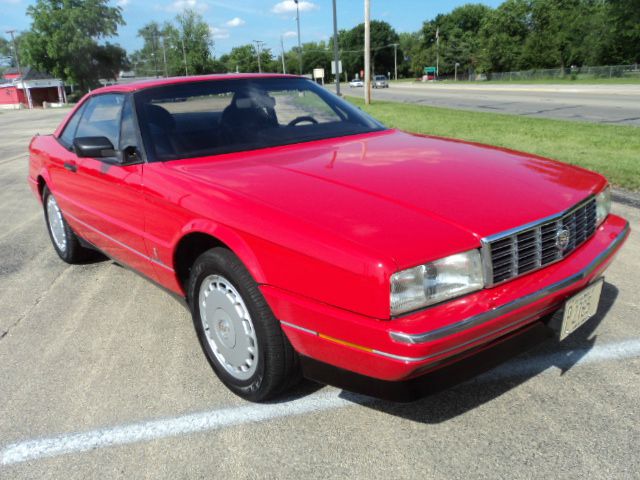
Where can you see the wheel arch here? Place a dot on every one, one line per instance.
(42, 180)
(198, 239)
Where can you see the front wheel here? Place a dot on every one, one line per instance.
(64, 240)
(239, 334)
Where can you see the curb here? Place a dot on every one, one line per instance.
(626, 197)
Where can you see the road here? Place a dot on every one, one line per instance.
(612, 104)
(101, 376)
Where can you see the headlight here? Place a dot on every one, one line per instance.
(436, 281)
(603, 205)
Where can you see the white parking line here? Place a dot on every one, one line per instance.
(324, 400)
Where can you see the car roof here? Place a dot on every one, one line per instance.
(159, 82)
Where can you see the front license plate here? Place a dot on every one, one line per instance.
(580, 308)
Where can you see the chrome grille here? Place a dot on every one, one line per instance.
(533, 246)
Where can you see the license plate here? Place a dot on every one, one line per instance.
(580, 308)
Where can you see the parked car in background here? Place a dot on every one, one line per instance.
(356, 82)
(380, 81)
(308, 238)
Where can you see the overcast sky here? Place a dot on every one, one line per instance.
(235, 22)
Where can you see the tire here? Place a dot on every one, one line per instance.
(65, 242)
(237, 330)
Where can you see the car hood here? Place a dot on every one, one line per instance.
(412, 197)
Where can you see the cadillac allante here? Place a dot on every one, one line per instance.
(310, 240)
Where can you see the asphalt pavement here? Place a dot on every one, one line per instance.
(612, 104)
(101, 376)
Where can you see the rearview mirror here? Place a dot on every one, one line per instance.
(97, 147)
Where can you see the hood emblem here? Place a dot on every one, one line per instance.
(563, 237)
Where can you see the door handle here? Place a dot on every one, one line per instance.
(71, 166)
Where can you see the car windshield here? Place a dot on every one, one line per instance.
(381, 77)
(203, 118)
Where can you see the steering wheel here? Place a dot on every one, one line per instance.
(303, 118)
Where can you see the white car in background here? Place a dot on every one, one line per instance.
(356, 82)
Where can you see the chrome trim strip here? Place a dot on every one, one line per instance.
(549, 219)
(402, 358)
(123, 245)
(514, 305)
(298, 327)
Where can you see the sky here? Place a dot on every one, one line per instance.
(237, 22)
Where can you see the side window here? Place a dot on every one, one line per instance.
(69, 132)
(101, 118)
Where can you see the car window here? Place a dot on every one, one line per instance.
(69, 132)
(293, 104)
(101, 117)
(220, 116)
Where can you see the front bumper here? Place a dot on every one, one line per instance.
(410, 346)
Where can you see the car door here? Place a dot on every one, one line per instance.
(106, 193)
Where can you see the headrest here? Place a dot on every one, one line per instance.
(254, 100)
(159, 116)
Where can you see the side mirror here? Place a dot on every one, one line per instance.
(97, 147)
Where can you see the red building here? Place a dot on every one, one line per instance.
(29, 88)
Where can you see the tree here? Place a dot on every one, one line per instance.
(459, 33)
(198, 42)
(64, 37)
(623, 42)
(244, 59)
(383, 36)
(415, 56)
(502, 36)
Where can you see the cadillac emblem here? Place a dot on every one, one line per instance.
(563, 237)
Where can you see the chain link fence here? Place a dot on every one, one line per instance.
(574, 73)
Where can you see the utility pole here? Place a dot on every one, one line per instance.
(164, 57)
(184, 55)
(284, 65)
(367, 51)
(15, 50)
(299, 44)
(336, 54)
(455, 75)
(437, 52)
(395, 61)
(154, 38)
(259, 44)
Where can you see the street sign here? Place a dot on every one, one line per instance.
(318, 73)
(333, 67)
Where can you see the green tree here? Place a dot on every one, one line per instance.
(412, 57)
(622, 44)
(187, 37)
(383, 36)
(244, 59)
(198, 42)
(459, 35)
(64, 39)
(502, 36)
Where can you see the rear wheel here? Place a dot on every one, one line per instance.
(239, 334)
(64, 240)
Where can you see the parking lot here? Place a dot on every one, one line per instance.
(101, 376)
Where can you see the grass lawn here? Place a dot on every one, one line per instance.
(612, 150)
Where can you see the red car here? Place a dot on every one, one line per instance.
(308, 238)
